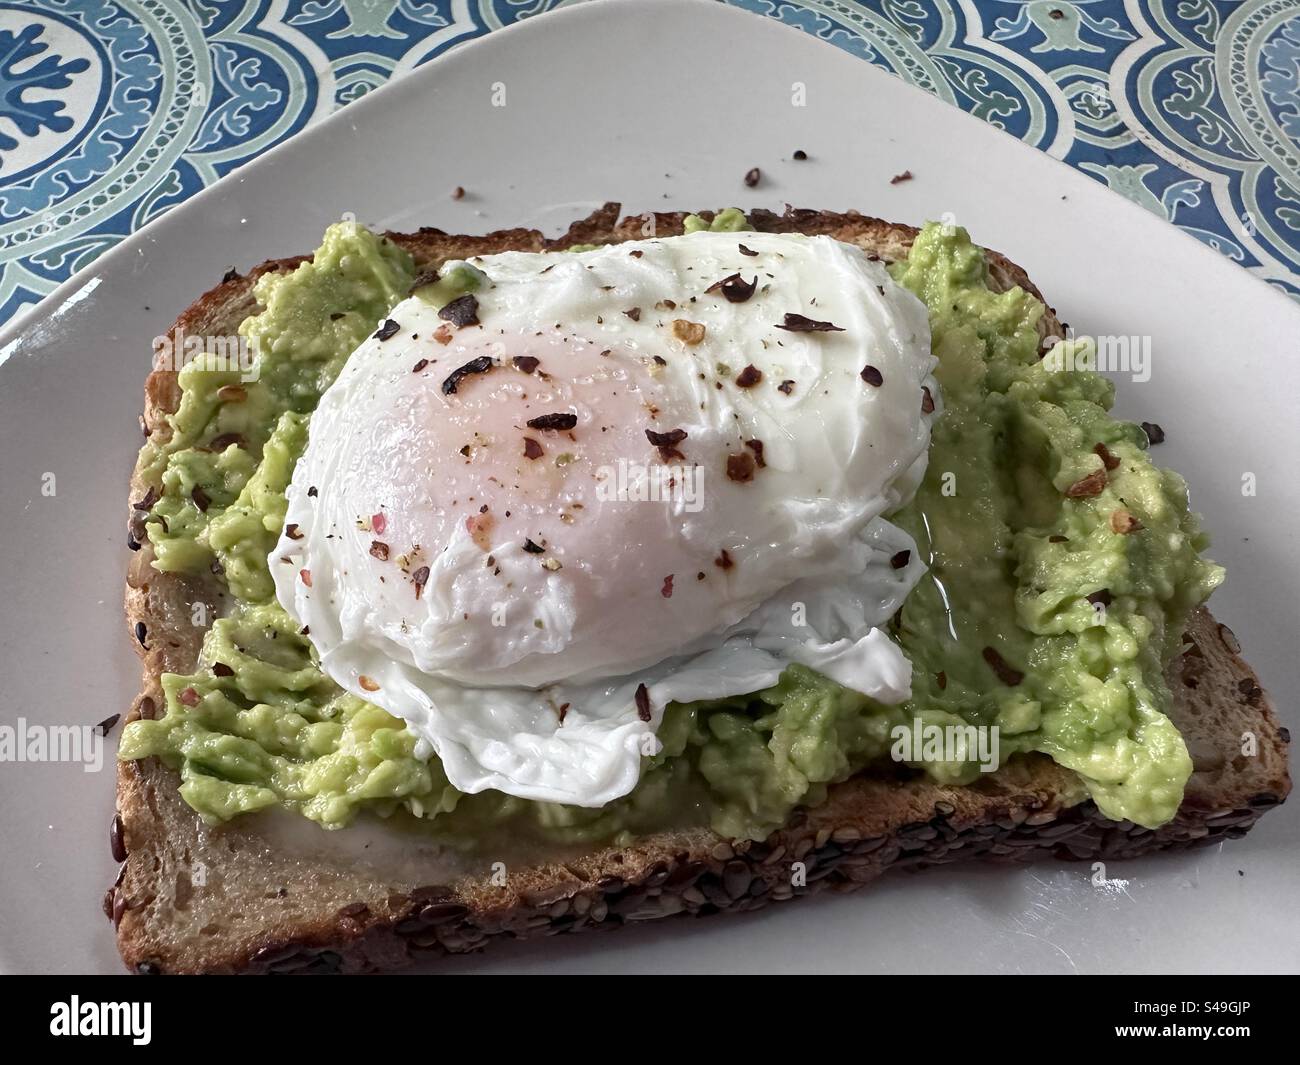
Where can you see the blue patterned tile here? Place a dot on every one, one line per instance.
(114, 111)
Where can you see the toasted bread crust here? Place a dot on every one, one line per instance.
(254, 909)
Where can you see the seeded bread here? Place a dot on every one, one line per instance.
(255, 895)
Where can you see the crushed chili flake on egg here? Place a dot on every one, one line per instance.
(740, 467)
(556, 422)
(421, 578)
(798, 323)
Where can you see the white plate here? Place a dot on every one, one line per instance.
(663, 104)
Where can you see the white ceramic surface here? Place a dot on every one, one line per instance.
(663, 104)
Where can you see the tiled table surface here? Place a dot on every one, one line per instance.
(114, 111)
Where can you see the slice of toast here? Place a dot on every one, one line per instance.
(273, 892)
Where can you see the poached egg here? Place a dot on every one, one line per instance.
(603, 481)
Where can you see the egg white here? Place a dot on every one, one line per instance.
(523, 602)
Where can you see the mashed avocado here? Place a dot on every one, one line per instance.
(1055, 595)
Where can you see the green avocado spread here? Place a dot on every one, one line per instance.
(1055, 593)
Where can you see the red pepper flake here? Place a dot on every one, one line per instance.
(387, 330)
(562, 710)
(305, 574)
(379, 550)
(927, 400)
(634, 313)
(367, 684)
(220, 669)
(1005, 673)
(734, 288)
(189, 697)
(475, 366)
(756, 446)
(421, 578)
(747, 251)
(797, 323)
(558, 422)
(872, 376)
(724, 559)
(479, 527)
(1108, 458)
(526, 363)
(898, 179)
(642, 702)
(667, 590)
(740, 467)
(636, 253)
(292, 532)
(201, 498)
(941, 678)
(461, 312)
(532, 449)
(442, 334)
(785, 387)
(1092, 485)
(900, 559)
(667, 443)
(749, 376)
(379, 522)
(419, 366)
(752, 177)
(1123, 522)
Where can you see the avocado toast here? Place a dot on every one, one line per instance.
(270, 890)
